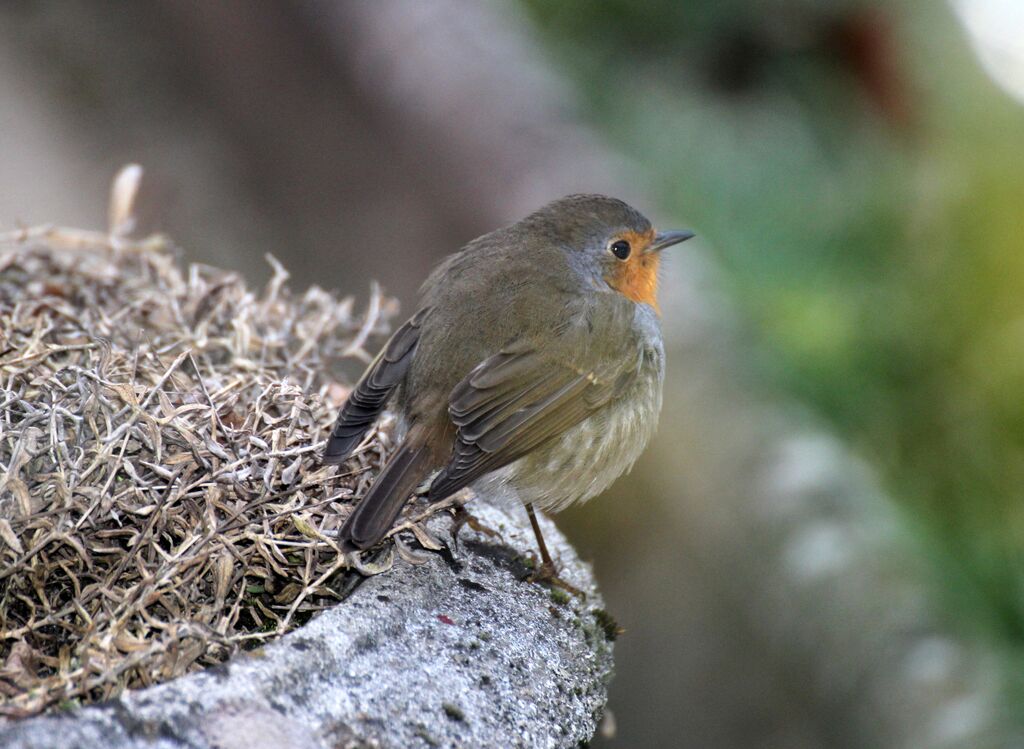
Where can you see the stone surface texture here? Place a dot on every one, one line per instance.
(457, 651)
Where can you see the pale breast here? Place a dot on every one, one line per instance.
(585, 460)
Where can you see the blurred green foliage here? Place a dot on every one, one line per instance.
(861, 182)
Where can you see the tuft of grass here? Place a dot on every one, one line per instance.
(559, 596)
(163, 504)
(608, 625)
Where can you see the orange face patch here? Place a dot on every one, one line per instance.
(636, 277)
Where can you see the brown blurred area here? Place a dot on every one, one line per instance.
(254, 139)
(767, 595)
(262, 132)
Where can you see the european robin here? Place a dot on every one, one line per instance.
(532, 370)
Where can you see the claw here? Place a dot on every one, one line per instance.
(462, 517)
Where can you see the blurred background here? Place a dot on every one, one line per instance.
(825, 545)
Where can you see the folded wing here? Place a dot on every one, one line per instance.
(514, 402)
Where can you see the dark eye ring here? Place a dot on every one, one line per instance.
(621, 249)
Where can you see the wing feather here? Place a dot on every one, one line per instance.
(373, 390)
(515, 401)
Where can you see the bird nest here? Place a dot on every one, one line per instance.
(161, 501)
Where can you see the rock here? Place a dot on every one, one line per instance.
(459, 651)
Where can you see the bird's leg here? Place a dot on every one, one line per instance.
(547, 573)
(545, 558)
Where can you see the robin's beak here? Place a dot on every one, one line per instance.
(667, 239)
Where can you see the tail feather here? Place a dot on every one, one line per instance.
(376, 512)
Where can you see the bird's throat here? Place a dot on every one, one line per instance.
(637, 278)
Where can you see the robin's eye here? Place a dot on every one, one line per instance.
(620, 249)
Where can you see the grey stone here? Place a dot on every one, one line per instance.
(459, 651)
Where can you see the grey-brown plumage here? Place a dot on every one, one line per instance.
(533, 367)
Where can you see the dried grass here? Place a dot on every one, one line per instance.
(161, 503)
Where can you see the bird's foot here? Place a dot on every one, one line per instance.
(547, 574)
(462, 517)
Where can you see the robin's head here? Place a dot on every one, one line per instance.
(608, 240)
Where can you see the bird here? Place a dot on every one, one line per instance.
(531, 372)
